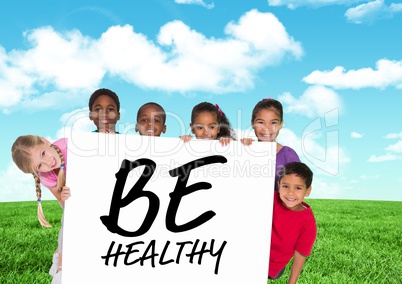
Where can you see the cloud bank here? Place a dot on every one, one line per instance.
(371, 12)
(58, 68)
(388, 73)
(392, 152)
(195, 2)
(367, 13)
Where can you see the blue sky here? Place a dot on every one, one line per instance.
(335, 65)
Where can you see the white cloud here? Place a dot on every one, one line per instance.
(372, 11)
(366, 13)
(23, 190)
(394, 135)
(77, 121)
(315, 101)
(372, 177)
(397, 147)
(383, 158)
(387, 73)
(356, 135)
(326, 160)
(272, 44)
(324, 190)
(13, 82)
(68, 60)
(326, 157)
(293, 4)
(54, 99)
(70, 64)
(195, 2)
(391, 149)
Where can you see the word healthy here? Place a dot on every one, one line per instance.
(151, 255)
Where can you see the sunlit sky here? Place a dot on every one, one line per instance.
(336, 66)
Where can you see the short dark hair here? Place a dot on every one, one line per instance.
(105, 92)
(268, 104)
(162, 111)
(298, 168)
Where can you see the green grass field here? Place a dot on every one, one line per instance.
(26, 249)
(358, 242)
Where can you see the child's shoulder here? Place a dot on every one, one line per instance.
(287, 149)
(61, 143)
(288, 154)
(308, 211)
(306, 206)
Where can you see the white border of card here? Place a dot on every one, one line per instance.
(158, 210)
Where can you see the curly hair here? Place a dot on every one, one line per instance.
(105, 92)
(223, 122)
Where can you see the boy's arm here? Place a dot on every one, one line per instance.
(298, 262)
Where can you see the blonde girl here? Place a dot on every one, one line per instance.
(48, 164)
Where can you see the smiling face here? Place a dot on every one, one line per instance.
(292, 190)
(104, 114)
(44, 158)
(266, 125)
(205, 126)
(150, 121)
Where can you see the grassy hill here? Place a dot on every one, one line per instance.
(358, 242)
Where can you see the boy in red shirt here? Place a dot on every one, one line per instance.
(293, 225)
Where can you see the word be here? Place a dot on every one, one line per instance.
(131, 254)
(181, 190)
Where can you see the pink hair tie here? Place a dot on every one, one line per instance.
(220, 112)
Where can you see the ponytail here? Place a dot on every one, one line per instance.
(61, 177)
(224, 125)
(41, 215)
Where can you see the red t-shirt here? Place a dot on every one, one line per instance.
(291, 231)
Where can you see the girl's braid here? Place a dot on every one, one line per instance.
(41, 215)
(37, 185)
(61, 177)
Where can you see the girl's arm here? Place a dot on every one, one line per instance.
(62, 195)
(298, 262)
(246, 141)
(186, 138)
(225, 140)
(65, 193)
